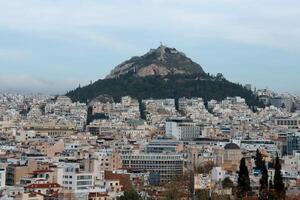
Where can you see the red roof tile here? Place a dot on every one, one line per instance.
(123, 178)
(43, 185)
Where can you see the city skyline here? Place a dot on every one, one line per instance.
(53, 46)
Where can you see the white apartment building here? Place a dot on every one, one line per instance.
(182, 129)
(218, 174)
(71, 178)
(252, 145)
(291, 164)
(2, 178)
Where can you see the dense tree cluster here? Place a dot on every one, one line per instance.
(278, 180)
(172, 86)
(269, 189)
(130, 195)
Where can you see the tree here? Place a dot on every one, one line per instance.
(263, 192)
(172, 191)
(272, 193)
(130, 195)
(172, 86)
(202, 194)
(227, 183)
(188, 178)
(270, 184)
(243, 179)
(205, 167)
(264, 178)
(258, 160)
(278, 180)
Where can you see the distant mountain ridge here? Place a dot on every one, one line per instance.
(162, 73)
(162, 61)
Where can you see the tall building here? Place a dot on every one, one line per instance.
(293, 142)
(72, 178)
(182, 129)
(284, 101)
(168, 166)
(14, 172)
(163, 146)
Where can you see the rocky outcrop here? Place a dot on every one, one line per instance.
(161, 62)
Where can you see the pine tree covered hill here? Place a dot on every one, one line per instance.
(172, 86)
(161, 73)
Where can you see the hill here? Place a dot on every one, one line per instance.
(162, 61)
(162, 73)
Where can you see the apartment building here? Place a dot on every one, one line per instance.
(183, 129)
(169, 166)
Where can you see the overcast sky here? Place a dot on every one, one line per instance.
(52, 46)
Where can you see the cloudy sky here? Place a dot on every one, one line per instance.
(52, 46)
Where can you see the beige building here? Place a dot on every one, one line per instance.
(14, 172)
(99, 196)
(51, 149)
(49, 189)
(109, 159)
(232, 157)
(29, 196)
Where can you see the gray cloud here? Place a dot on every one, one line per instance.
(116, 24)
(267, 22)
(29, 84)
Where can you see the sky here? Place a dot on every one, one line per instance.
(52, 46)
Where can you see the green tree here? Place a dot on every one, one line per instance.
(243, 179)
(259, 160)
(130, 195)
(278, 180)
(271, 184)
(263, 192)
(173, 86)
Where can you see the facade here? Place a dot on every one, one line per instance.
(163, 146)
(109, 159)
(2, 178)
(71, 178)
(48, 190)
(232, 157)
(99, 196)
(252, 145)
(291, 164)
(283, 101)
(217, 174)
(293, 143)
(14, 172)
(202, 181)
(169, 166)
(183, 129)
(291, 123)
